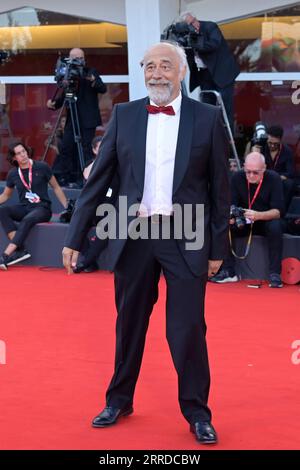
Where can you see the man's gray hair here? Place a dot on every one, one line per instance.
(183, 16)
(175, 47)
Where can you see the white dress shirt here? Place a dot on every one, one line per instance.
(162, 134)
(199, 62)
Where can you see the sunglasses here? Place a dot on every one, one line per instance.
(254, 172)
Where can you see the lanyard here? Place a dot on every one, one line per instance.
(27, 186)
(250, 203)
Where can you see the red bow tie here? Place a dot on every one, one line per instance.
(160, 109)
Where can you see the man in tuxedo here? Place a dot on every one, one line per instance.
(212, 64)
(86, 88)
(168, 151)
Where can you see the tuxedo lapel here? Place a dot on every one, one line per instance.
(184, 141)
(139, 158)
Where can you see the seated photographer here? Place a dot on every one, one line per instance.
(96, 142)
(94, 245)
(257, 204)
(31, 179)
(212, 65)
(279, 157)
(85, 83)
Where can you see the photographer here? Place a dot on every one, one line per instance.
(94, 245)
(31, 179)
(212, 64)
(279, 157)
(85, 83)
(259, 192)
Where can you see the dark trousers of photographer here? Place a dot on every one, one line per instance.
(66, 167)
(93, 247)
(27, 217)
(288, 191)
(206, 83)
(272, 230)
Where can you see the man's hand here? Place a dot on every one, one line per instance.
(90, 78)
(251, 215)
(70, 258)
(51, 104)
(214, 266)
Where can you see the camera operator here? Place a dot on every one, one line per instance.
(86, 87)
(279, 157)
(259, 192)
(212, 64)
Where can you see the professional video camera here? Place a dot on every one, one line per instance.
(68, 73)
(184, 34)
(237, 213)
(3, 56)
(260, 135)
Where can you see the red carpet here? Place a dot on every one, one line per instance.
(59, 336)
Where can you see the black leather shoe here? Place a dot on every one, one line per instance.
(82, 267)
(91, 268)
(110, 415)
(79, 268)
(204, 432)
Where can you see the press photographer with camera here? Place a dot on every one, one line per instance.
(257, 204)
(278, 155)
(31, 179)
(211, 63)
(280, 158)
(94, 245)
(82, 84)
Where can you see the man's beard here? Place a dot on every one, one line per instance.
(160, 95)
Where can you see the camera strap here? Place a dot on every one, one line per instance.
(247, 246)
(251, 202)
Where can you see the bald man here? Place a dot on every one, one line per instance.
(169, 152)
(86, 87)
(260, 193)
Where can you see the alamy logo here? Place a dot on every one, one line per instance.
(296, 94)
(2, 352)
(295, 358)
(186, 223)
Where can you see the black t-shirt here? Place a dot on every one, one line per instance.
(269, 197)
(283, 164)
(41, 174)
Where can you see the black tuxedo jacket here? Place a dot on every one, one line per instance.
(216, 55)
(200, 175)
(87, 100)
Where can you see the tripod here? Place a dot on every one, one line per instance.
(70, 103)
(219, 102)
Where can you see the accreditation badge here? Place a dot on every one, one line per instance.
(32, 197)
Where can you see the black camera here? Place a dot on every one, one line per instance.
(68, 73)
(237, 213)
(260, 135)
(184, 34)
(66, 215)
(3, 56)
